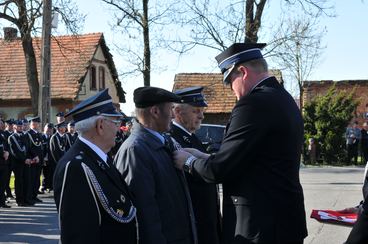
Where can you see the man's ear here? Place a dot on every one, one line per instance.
(244, 71)
(99, 125)
(155, 111)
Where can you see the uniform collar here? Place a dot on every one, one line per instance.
(259, 82)
(181, 127)
(94, 148)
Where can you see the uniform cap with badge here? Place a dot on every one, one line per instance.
(192, 95)
(238, 53)
(34, 119)
(60, 125)
(99, 104)
(148, 96)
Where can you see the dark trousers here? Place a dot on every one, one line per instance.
(3, 173)
(35, 179)
(352, 152)
(7, 179)
(18, 168)
(48, 173)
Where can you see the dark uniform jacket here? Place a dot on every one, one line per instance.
(18, 148)
(46, 146)
(70, 139)
(161, 200)
(92, 199)
(204, 195)
(57, 146)
(258, 165)
(3, 147)
(35, 144)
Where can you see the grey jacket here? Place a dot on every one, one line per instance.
(161, 196)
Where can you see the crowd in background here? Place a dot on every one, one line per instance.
(29, 152)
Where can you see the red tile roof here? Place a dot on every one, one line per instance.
(70, 58)
(220, 98)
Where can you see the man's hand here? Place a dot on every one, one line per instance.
(36, 160)
(180, 157)
(28, 161)
(196, 153)
(6, 155)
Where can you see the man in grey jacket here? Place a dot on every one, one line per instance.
(164, 210)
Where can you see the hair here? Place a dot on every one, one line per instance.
(256, 65)
(85, 125)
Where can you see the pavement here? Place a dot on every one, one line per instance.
(37, 224)
(324, 188)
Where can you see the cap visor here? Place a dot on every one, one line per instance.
(227, 75)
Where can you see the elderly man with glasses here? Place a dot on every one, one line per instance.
(92, 199)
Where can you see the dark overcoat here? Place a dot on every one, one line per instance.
(57, 146)
(204, 195)
(258, 165)
(92, 199)
(161, 200)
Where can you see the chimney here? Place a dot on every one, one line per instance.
(10, 33)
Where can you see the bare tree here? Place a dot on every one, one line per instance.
(217, 25)
(299, 54)
(136, 21)
(25, 16)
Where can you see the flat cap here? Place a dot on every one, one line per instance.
(10, 121)
(148, 96)
(99, 104)
(192, 95)
(238, 53)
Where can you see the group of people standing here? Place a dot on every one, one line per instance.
(357, 141)
(28, 153)
(161, 186)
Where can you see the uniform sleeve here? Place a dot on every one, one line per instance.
(244, 136)
(79, 214)
(134, 165)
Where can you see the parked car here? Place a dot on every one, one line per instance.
(211, 136)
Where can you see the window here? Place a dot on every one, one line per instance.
(93, 85)
(101, 78)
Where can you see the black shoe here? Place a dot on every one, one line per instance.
(30, 203)
(4, 206)
(37, 200)
(22, 204)
(10, 197)
(41, 192)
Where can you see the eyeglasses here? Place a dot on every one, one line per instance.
(116, 122)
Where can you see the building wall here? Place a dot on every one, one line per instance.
(312, 89)
(98, 61)
(22, 109)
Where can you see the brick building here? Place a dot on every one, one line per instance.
(220, 98)
(314, 88)
(80, 67)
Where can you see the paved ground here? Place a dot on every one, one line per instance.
(324, 188)
(36, 224)
(330, 188)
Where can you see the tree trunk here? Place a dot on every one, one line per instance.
(253, 19)
(147, 51)
(31, 71)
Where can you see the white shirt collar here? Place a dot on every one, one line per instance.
(95, 148)
(181, 127)
(158, 135)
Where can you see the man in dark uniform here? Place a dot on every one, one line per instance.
(48, 167)
(9, 124)
(70, 136)
(259, 158)
(4, 167)
(188, 117)
(35, 140)
(60, 117)
(164, 208)
(21, 163)
(58, 142)
(92, 199)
